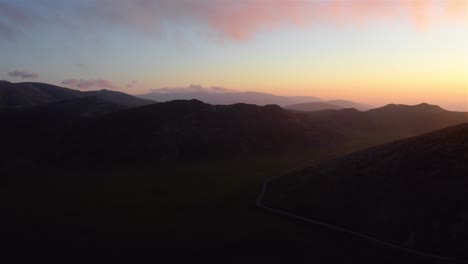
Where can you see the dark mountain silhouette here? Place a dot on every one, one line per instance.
(119, 98)
(313, 106)
(383, 124)
(189, 129)
(33, 94)
(227, 98)
(93, 131)
(411, 192)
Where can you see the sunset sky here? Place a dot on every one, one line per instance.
(371, 51)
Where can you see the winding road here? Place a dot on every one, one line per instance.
(262, 206)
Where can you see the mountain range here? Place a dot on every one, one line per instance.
(223, 96)
(105, 127)
(33, 94)
(108, 172)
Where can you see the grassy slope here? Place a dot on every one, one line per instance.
(410, 192)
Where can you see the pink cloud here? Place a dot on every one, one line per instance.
(241, 20)
(230, 19)
(86, 84)
(23, 74)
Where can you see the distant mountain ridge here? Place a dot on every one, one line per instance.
(329, 105)
(313, 106)
(351, 104)
(30, 94)
(223, 96)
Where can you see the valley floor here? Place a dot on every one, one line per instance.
(198, 211)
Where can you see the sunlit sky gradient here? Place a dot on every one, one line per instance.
(371, 51)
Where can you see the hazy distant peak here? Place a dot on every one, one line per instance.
(431, 106)
(194, 89)
(423, 106)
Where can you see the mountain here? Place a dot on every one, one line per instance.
(119, 98)
(164, 132)
(382, 124)
(223, 97)
(351, 104)
(187, 130)
(410, 192)
(313, 106)
(33, 94)
(329, 105)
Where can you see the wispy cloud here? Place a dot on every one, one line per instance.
(231, 19)
(132, 84)
(23, 74)
(194, 89)
(80, 65)
(87, 84)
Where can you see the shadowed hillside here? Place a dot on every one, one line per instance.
(384, 124)
(411, 192)
(31, 94)
(191, 129)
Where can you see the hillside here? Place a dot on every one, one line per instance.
(411, 192)
(351, 104)
(189, 129)
(313, 106)
(94, 131)
(383, 124)
(34, 94)
(227, 98)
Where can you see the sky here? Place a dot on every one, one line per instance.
(371, 51)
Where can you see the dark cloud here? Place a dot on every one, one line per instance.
(23, 74)
(80, 65)
(87, 84)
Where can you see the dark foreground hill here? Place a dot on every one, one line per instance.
(29, 94)
(411, 192)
